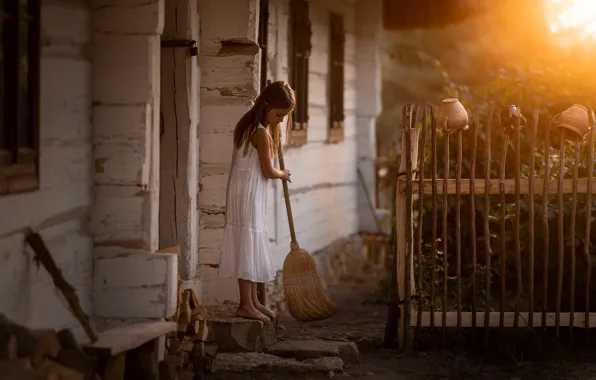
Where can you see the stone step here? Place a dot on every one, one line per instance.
(256, 361)
(233, 334)
(312, 349)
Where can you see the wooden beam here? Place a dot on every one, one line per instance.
(579, 319)
(508, 186)
(403, 263)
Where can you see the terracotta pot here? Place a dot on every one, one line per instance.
(452, 115)
(575, 121)
(509, 115)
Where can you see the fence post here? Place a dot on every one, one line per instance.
(404, 224)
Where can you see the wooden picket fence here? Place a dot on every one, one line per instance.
(414, 254)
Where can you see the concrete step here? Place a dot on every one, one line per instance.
(255, 361)
(233, 334)
(313, 349)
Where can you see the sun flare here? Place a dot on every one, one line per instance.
(575, 18)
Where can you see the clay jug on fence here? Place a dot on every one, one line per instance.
(452, 115)
(509, 115)
(575, 121)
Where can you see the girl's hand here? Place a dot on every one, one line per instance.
(286, 175)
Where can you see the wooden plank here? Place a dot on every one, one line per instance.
(508, 185)
(579, 319)
(128, 337)
(177, 148)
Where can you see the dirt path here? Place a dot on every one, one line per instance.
(362, 320)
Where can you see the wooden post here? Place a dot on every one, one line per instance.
(178, 130)
(403, 260)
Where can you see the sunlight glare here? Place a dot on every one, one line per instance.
(573, 17)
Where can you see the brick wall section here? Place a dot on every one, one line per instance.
(129, 280)
(59, 209)
(229, 62)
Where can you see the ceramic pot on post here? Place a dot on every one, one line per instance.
(509, 115)
(574, 121)
(452, 115)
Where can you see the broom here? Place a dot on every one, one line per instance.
(304, 295)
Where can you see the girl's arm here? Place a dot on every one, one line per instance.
(263, 145)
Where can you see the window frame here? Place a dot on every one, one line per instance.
(19, 139)
(336, 77)
(299, 49)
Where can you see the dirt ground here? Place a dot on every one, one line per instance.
(362, 320)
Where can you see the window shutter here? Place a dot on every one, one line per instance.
(301, 29)
(301, 47)
(337, 51)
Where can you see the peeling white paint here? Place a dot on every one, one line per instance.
(59, 209)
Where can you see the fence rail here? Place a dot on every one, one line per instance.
(496, 186)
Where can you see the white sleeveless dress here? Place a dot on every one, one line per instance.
(245, 250)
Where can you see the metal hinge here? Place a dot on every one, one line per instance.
(192, 44)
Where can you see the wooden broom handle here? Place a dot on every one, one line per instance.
(294, 242)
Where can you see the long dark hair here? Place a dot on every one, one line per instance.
(275, 95)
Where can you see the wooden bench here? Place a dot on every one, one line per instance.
(130, 351)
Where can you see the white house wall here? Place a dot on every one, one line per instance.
(59, 210)
(229, 64)
(97, 205)
(131, 281)
(326, 197)
(325, 193)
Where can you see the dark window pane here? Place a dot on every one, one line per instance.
(2, 126)
(24, 109)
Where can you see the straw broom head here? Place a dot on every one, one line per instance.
(303, 289)
(305, 299)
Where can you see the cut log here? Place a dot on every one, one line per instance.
(48, 345)
(194, 301)
(186, 345)
(42, 354)
(198, 313)
(18, 373)
(63, 372)
(77, 359)
(202, 358)
(23, 363)
(25, 340)
(10, 349)
(185, 311)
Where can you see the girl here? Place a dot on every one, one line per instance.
(245, 251)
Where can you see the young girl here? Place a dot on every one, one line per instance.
(245, 251)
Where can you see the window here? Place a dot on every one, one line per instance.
(19, 95)
(337, 37)
(263, 40)
(299, 50)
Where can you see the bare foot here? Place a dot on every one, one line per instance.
(252, 313)
(264, 310)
